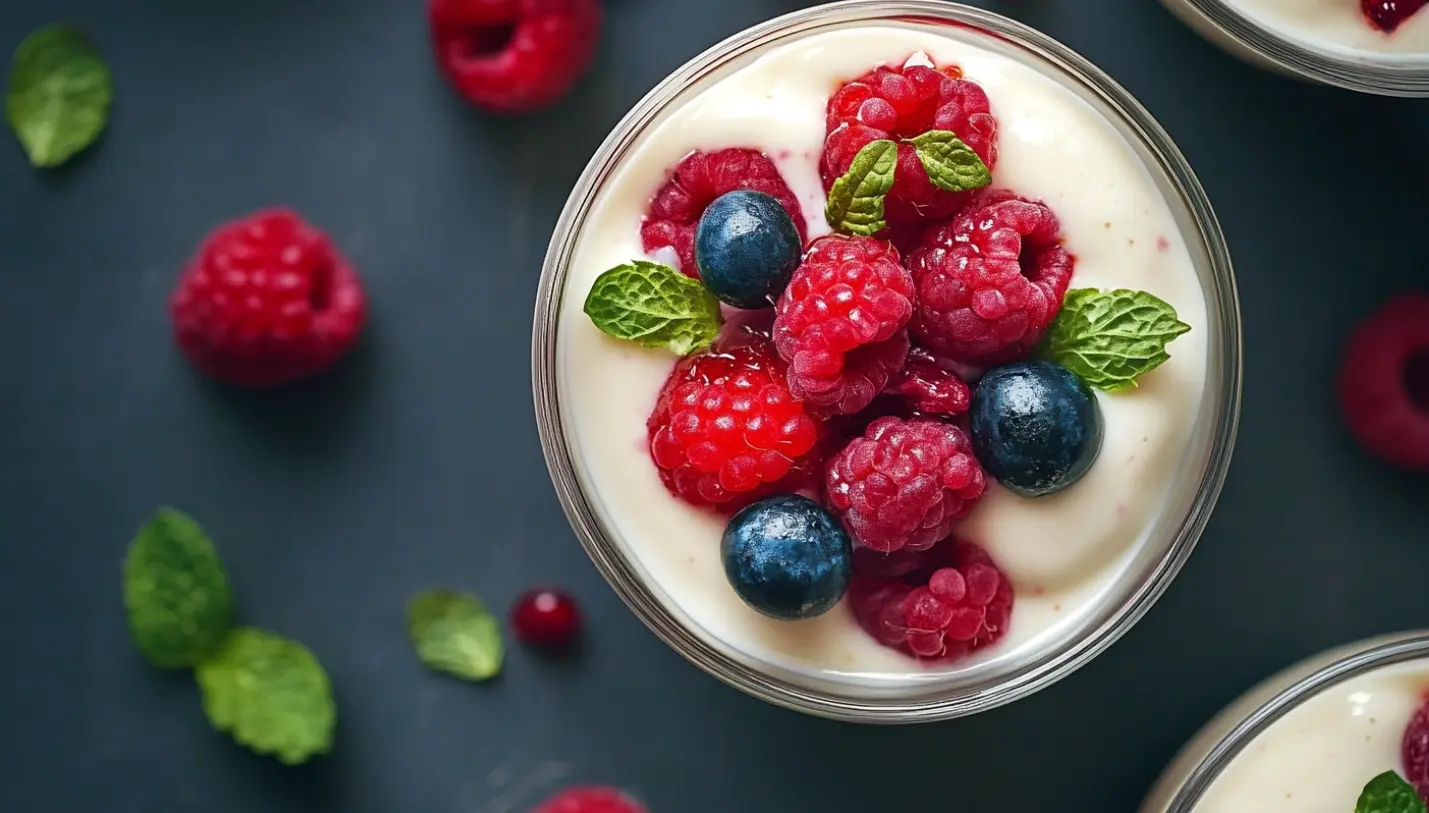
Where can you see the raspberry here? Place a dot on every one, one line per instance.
(928, 388)
(514, 56)
(726, 431)
(904, 483)
(898, 104)
(694, 184)
(945, 604)
(991, 280)
(267, 300)
(840, 322)
(590, 799)
(1414, 750)
(1383, 382)
(1387, 15)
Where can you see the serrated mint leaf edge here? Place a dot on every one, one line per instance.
(46, 143)
(140, 600)
(488, 661)
(1389, 793)
(936, 150)
(1110, 369)
(869, 177)
(680, 330)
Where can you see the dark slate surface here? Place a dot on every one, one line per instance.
(418, 463)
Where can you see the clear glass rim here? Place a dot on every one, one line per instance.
(1410, 78)
(620, 573)
(1401, 648)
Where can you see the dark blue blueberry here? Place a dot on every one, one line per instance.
(747, 247)
(787, 557)
(1036, 427)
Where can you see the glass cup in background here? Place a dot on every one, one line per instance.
(1173, 533)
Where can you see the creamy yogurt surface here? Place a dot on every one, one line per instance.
(1318, 757)
(1337, 26)
(1063, 553)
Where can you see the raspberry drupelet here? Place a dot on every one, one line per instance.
(904, 483)
(939, 605)
(726, 431)
(840, 322)
(694, 184)
(899, 103)
(991, 280)
(267, 301)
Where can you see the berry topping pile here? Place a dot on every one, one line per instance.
(860, 401)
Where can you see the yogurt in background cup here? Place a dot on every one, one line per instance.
(1327, 41)
(1086, 563)
(1307, 739)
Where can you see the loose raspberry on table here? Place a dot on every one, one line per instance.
(1383, 382)
(590, 799)
(840, 322)
(942, 604)
(991, 280)
(899, 103)
(1414, 750)
(266, 301)
(904, 483)
(928, 388)
(726, 431)
(514, 56)
(694, 184)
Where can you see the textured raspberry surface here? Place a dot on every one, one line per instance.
(514, 56)
(1387, 15)
(266, 301)
(938, 605)
(840, 322)
(928, 388)
(1383, 382)
(694, 184)
(1414, 750)
(592, 799)
(900, 103)
(903, 484)
(991, 280)
(726, 431)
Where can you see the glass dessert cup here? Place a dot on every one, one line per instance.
(1147, 567)
(1340, 49)
(1191, 778)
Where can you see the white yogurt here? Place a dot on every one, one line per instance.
(1318, 757)
(1335, 26)
(1063, 553)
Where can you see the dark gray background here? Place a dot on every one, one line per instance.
(417, 463)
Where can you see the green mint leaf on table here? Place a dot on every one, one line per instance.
(655, 306)
(454, 633)
(951, 164)
(1109, 338)
(176, 595)
(60, 89)
(1389, 793)
(270, 694)
(856, 199)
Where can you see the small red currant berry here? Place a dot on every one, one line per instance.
(546, 617)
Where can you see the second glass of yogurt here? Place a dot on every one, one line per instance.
(1000, 584)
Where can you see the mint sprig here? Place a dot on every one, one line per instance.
(1110, 338)
(855, 204)
(454, 633)
(655, 306)
(176, 596)
(950, 163)
(1389, 793)
(59, 94)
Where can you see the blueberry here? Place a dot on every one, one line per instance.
(787, 557)
(747, 247)
(1036, 427)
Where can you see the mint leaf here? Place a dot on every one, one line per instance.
(655, 306)
(951, 164)
(270, 694)
(59, 94)
(856, 199)
(176, 595)
(1389, 793)
(454, 633)
(1110, 338)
